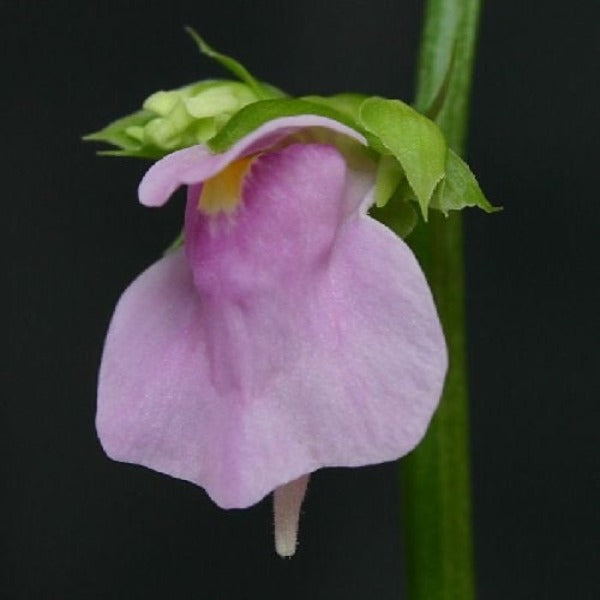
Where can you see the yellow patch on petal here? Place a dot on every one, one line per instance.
(223, 192)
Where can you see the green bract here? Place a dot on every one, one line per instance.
(414, 163)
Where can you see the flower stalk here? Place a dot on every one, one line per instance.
(436, 475)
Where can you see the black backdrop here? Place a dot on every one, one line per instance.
(80, 526)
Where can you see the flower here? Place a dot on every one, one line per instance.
(292, 331)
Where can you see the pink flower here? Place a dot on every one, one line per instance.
(292, 332)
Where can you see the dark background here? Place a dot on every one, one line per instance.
(80, 526)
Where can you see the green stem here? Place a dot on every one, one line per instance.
(435, 477)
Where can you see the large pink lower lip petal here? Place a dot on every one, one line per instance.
(197, 163)
(241, 393)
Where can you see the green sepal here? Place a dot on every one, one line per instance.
(175, 244)
(347, 104)
(398, 213)
(459, 189)
(144, 153)
(388, 177)
(254, 115)
(415, 141)
(262, 91)
(115, 133)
